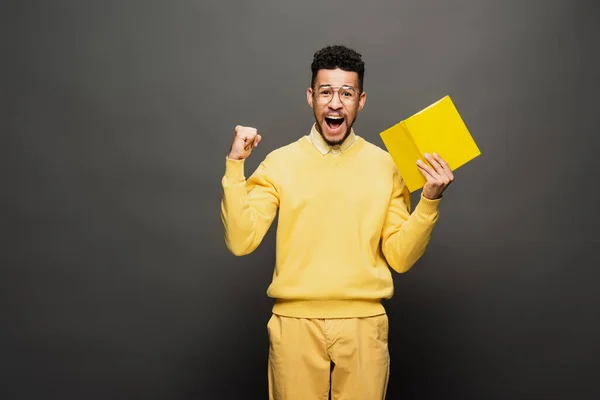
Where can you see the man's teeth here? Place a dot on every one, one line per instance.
(335, 117)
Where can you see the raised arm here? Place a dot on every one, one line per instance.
(405, 236)
(248, 207)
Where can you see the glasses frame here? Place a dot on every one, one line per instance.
(336, 91)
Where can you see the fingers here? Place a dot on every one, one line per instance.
(440, 171)
(247, 136)
(434, 163)
(252, 143)
(245, 133)
(245, 139)
(426, 170)
(438, 175)
(444, 166)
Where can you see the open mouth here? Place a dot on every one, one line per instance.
(334, 123)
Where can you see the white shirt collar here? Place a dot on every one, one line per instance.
(317, 140)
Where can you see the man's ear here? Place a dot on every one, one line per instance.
(309, 97)
(362, 100)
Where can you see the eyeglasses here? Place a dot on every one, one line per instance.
(348, 95)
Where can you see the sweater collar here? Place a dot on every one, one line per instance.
(317, 140)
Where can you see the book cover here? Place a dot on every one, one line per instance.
(438, 128)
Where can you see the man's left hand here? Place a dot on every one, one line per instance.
(438, 175)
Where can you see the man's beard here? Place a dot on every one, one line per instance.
(334, 142)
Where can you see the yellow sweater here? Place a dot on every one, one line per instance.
(343, 221)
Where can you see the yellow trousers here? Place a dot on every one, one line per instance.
(308, 358)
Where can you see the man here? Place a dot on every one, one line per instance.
(344, 220)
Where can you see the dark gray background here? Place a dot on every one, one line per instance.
(116, 119)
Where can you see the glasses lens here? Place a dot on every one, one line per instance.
(348, 95)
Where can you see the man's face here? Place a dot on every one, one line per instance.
(335, 100)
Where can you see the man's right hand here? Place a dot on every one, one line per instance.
(244, 140)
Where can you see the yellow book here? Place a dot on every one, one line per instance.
(438, 128)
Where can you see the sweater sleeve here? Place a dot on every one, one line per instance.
(405, 236)
(248, 207)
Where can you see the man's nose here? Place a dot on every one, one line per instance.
(335, 103)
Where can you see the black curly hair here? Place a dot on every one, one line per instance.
(337, 56)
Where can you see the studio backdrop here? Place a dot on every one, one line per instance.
(116, 120)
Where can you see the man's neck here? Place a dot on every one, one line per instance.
(325, 148)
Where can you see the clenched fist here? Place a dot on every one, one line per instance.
(244, 140)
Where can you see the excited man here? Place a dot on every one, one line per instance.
(344, 220)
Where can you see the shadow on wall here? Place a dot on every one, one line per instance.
(230, 361)
(422, 367)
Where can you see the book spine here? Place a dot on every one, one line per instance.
(412, 140)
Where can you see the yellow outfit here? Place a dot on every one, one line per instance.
(302, 350)
(344, 220)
